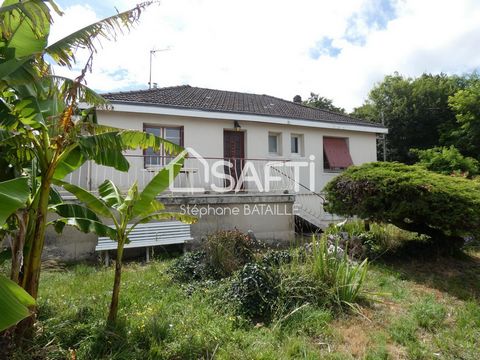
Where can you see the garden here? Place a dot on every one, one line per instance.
(399, 278)
(236, 299)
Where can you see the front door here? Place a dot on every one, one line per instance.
(234, 152)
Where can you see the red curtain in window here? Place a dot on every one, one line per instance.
(337, 153)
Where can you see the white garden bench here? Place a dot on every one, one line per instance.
(149, 235)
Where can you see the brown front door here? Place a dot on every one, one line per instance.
(234, 152)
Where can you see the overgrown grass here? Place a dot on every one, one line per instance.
(159, 319)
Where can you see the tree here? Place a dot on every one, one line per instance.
(446, 208)
(124, 211)
(320, 102)
(447, 161)
(466, 105)
(41, 127)
(416, 111)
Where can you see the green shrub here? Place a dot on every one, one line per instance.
(276, 257)
(192, 266)
(222, 253)
(414, 199)
(227, 251)
(447, 161)
(254, 291)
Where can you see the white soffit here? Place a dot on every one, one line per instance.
(160, 110)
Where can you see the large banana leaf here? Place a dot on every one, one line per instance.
(105, 149)
(25, 28)
(158, 184)
(87, 198)
(13, 195)
(110, 194)
(133, 139)
(69, 162)
(87, 226)
(74, 211)
(62, 51)
(14, 303)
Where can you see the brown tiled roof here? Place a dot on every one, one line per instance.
(188, 97)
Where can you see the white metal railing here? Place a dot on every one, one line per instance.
(207, 175)
(197, 175)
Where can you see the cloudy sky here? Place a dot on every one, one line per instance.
(337, 48)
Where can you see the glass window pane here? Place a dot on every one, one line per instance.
(272, 144)
(153, 130)
(294, 145)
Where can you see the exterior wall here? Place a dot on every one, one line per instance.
(206, 137)
(273, 228)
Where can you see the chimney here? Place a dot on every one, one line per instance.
(297, 99)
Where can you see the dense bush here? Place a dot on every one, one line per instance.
(447, 161)
(192, 266)
(414, 199)
(254, 291)
(227, 251)
(222, 253)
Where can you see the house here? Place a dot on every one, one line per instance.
(255, 161)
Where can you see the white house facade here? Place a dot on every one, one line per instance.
(299, 147)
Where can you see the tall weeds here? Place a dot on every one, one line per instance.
(332, 266)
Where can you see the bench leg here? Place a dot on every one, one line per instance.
(148, 255)
(107, 258)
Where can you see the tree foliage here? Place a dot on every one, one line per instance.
(320, 102)
(447, 161)
(466, 105)
(417, 112)
(410, 197)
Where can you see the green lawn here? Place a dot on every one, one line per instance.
(428, 310)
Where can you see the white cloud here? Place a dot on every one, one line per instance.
(264, 46)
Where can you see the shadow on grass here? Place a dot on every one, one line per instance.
(457, 275)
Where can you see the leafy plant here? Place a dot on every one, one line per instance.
(254, 291)
(192, 266)
(126, 211)
(445, 208)
(447, 161)
(42, 129)
(14, 301)
(228, 250)
(334, 268)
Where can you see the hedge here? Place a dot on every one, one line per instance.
(446, 208)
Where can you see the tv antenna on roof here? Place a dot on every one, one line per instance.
(152, 52)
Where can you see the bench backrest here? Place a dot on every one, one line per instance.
(151, 234)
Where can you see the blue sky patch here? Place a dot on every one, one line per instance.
(324, 47)
(375, 15)
(118, 74)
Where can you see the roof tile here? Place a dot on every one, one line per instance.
(189, 97)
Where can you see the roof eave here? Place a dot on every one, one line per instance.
(161, 109)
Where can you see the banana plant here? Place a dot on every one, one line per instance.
(14, 301)
(41, 125)
(124, 211)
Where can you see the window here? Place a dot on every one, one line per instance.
(274, 143)
(336, 155)
(296, 144)
(170, 133)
